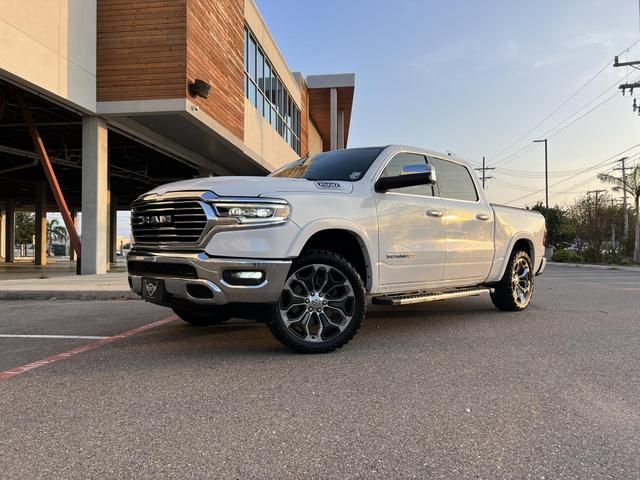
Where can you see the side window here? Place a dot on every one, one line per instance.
(394, 168)
(454, 180)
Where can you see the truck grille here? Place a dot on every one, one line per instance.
(174, 222)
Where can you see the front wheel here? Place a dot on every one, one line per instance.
(204, 317)
(322, 305)
(514, 291)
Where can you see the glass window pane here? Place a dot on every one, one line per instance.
(267, 79)
(260, 104)
(246, 50)
(252, 93)
(394, 169)
(246, 88)
(260, 77)
(252, 58)
(267, 110)
(454, 180)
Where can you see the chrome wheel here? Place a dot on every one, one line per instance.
(522, 282)
(317, 303)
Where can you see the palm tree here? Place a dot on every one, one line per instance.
(630, 183)
(55, 231)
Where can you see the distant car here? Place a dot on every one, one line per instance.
(307, 245)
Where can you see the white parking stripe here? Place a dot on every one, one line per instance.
(72, 337)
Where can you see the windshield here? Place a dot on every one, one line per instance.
(340, 165)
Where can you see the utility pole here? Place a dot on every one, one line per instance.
(629, 86)
(546, 172)
(484, 170)
(624, 198)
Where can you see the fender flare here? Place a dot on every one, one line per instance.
(516, 238)
(366, 244)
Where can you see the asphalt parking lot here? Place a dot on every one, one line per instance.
(445, 390)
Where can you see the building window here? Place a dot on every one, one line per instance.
(265, 91)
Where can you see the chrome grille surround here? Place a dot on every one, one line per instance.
(176, 220)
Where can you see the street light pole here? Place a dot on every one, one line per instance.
(546, 172)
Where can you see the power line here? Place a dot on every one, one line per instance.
(598, 164)
(565, 102)
(484, 171)
(553, 131)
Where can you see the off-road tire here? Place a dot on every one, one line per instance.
(203, 317)
(509, 294)
(352, 309)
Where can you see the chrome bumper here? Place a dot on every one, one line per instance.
(209, 272)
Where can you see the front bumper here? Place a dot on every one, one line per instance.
(182, 272)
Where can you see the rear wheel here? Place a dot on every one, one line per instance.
(203, 318)
(514, 291)
(322, 305)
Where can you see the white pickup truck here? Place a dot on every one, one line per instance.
(307, 247)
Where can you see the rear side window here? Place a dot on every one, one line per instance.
(454, 180)
(394, 168)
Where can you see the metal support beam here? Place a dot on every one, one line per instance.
(48, 170)
(10, 232)
(333, 118)
(40, 246)
(74, 218)
(95, 211)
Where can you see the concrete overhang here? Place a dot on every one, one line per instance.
(320, 87)
(182, 129)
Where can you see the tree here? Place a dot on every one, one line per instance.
(25, 230)
(631, 184)
(561, 228)
(55, 231)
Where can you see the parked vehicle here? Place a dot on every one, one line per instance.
(306, 247)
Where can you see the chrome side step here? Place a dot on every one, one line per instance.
(429, 296)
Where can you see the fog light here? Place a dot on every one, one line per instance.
(243, 277)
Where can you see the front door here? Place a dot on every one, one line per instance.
(411, 230)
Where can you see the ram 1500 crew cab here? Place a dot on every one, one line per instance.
(307, 247)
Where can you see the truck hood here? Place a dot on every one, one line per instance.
(254, 186)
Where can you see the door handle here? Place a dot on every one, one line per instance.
(483, 216)
(434, 213)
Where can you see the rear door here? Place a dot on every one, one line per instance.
(469, 224)
(411, 230)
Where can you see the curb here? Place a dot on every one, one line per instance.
(66, 295)
(597, 267)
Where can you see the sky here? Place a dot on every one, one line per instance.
(472, 77)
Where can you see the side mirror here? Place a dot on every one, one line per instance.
(410, 176)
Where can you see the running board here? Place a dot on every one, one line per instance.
(429, 296)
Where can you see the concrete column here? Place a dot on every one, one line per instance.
(10, 232)
(40, 247)
(341, 130)
(74, 217)
(333, 117)
(3, 234)
(95, 212)
(113, 228)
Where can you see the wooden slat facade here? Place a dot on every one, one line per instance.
(141, 49)
(215, 54)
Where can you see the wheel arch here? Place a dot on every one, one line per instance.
(522, 241)
(343, 239)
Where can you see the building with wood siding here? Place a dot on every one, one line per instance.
(112, 88)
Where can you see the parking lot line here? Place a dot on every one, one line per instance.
(71, 337)
(14, 372)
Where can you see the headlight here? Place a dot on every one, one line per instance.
(253, 213)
